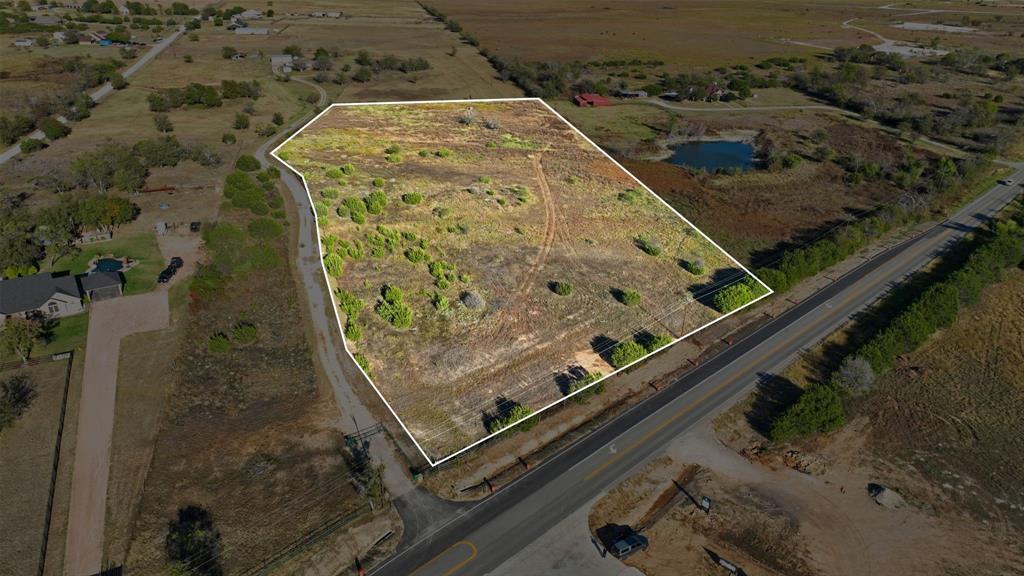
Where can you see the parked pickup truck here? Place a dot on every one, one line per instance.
(1006, 182)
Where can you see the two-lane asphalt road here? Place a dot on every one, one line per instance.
(481, 538)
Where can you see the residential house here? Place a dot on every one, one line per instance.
(47, 20)
(55, 296)
(249, 15)
(325, 14)
(588, 100)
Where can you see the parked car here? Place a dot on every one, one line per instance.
(629, 544)
(1006, 182)
(166, 274)
(176, 263)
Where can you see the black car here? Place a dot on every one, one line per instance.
(176, 263)
(166, 274)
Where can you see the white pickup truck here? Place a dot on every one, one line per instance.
(1006, 182)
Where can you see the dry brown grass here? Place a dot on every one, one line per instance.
(573, 228)
(26, 463)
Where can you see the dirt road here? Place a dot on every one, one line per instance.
(109, 321)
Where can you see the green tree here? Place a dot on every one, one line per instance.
(53, 129)
(627, 352)
(334, 264)
(16, 395)
(819, 409)
(163, 123)
(19, 334)
(194, 541)
(247, 163)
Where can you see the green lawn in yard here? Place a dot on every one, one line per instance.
(68, 334)
(139, 247)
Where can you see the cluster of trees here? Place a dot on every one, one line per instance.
(866, 54)
(27, 236)
(820, 407)
(203, 95)
(937, 306)
(233, 251)
(626, 352)
(926, 181)
(255, 195)
(70, 101)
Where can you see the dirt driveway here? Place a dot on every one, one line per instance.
(109, 321)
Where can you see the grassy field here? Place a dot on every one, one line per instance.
(26, 463)
(513, 246)
(948, 411)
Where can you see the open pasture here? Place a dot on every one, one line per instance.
(488, 261)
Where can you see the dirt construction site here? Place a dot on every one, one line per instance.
(489, 261)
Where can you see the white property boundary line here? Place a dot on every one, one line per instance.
(334, 303)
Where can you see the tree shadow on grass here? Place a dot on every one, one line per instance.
(603, 345)
(773, 395)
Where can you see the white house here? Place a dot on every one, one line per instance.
(250, 15)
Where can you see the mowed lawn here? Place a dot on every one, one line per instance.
(140, 247)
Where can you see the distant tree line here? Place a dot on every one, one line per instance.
(203, 95)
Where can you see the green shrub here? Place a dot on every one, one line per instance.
(484, 179)
(228, 138)
(561, 288)
(819, 409)
(352, 331)
(263, 257)
(443, 153)
(264, 228)
(627, 352)
(423, 153)
(52, 129)
(334, 264)
(694, 266)
(349, 303)
(378, 182)
(630, 196)
(415, 255)
(243, 192)
(247, 163)
(582, 383)
(737, 295)
(356, 209)
(29, 145)
(657, 342)
(329, 193)
(244, 333)
(392, 309)
(376, 201)
(394, 158)
(333, 173)
(219, 343)
(440, 301)
(322, 209)
(363, 362)
(517, 413)
(648, 245)
(348, 169)
(392, 149)
(628, 297)
(412, 198)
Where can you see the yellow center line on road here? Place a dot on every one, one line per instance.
(618, 456)
(457, 567)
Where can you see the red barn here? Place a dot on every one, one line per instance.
(591, 100)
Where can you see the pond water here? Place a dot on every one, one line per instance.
(108, 265)
(713, 155)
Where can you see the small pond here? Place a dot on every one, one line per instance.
(713, 156)
(108, 265)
